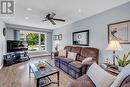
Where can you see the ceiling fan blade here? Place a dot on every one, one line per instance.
(44, 20)
(52, 22)
(59, 19)
(52, 14)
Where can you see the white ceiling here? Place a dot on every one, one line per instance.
(71, 10)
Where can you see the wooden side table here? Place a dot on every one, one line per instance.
(111, 69)
(54, 54)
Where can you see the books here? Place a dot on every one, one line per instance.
(116, 71)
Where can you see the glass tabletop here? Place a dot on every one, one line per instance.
(42, 72)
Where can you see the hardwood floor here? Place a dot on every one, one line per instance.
(17, 75)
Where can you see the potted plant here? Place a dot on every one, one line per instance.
(122, 62)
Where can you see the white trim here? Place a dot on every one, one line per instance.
(28, 28)
(46, 40)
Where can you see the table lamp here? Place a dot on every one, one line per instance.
(56, 45)
(114, 45)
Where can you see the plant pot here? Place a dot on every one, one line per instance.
(120, 68)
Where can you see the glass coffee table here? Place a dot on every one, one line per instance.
(42, 76)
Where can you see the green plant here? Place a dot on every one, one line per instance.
(32, 38)
(124, 61)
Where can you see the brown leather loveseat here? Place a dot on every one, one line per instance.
(85, 81)
(75, 68)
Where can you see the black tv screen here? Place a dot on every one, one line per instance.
(13, 45)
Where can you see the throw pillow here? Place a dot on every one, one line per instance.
(99, 76)
(62, 53)
(87, 60)
(122, 75)
(72, 55)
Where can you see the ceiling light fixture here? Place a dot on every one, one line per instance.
(79, 10)
(29, 9)
(26, 18)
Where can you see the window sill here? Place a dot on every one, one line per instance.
(36, 51)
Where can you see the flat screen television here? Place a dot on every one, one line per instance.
(14, 45)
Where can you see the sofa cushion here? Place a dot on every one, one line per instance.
(87, 60)
(66, 60)
(72, 55)
(80, 58)
(83, 81)
(88, 52)
(76, 64)
(60, 57)
(62, 53)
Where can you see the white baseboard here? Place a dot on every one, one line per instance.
(31, 56)
(1, 66)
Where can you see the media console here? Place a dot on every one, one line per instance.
(15, 57)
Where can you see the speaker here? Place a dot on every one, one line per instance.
(4, 31)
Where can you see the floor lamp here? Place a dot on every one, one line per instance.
(114, 46)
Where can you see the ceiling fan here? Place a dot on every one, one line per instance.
(50, 17)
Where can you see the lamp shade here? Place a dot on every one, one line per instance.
(56, 43)
(114, 45)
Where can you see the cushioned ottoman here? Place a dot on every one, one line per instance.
(64, 64)
(57, 62)
(75, 69)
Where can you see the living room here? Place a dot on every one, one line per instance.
(70, 44)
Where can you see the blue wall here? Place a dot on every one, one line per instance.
(97, 25)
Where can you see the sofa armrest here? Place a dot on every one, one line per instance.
(126, 82)
(85, 67)
(56, 54)
(126, 85)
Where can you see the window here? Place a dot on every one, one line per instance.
(36, 40)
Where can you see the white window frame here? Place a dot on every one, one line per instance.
(39, 43)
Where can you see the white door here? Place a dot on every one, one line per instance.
(1, 44)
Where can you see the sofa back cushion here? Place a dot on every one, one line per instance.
(68, 48)
(89, 52)
(76, 50)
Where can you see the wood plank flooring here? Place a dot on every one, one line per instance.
(17, 75)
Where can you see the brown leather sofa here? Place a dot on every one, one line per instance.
(74, 67)
(85, 81)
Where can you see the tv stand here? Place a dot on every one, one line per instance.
(15, 57)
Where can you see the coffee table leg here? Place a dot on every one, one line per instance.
(51, 55)
(37, 83)
(58, 78)
(29, 70)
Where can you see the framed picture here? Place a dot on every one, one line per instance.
(60, 37)
(55, 37)
(119, 31)
(81, 38)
